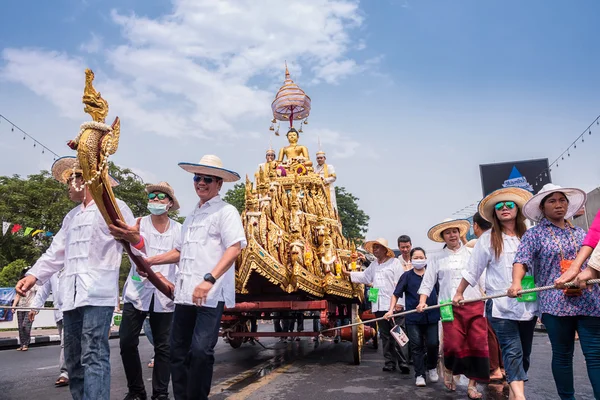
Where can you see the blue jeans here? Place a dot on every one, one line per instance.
(87, 352)
(516, 340)
(561, 332)
(194, 335)
(424, 343)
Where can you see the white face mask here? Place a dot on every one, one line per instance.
(419, 264)
(157, 208)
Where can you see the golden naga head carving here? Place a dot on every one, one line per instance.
(95, 105)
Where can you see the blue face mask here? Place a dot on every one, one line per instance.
(157, 208)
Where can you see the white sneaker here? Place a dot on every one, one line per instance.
(420, 381)
(433, 375)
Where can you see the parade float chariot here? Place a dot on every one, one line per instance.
(296, 250)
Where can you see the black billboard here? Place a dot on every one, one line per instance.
(522, 174)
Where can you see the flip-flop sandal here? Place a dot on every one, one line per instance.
(477, 394)
(62, 381)
(449, 381)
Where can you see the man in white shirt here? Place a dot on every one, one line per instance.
(383, 274)
(91, 258)
(212, 237)
(405, 246)
(141, 298)
(327, 173)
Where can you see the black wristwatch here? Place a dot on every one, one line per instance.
(209, 278)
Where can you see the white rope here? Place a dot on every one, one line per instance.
(40, 309)
(520, 292)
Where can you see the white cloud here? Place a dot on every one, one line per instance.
(92, 46)
(192, 71)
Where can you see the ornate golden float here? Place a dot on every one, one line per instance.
(296, 249)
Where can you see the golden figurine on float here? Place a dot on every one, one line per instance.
(295, 240)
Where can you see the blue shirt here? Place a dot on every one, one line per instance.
(408, 285)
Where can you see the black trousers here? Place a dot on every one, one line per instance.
(193, 339)
(424, 343)
(392, 352)
(129, 332)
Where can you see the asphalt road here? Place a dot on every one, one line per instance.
(295, 370)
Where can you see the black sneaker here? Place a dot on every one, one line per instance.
(404, 370)
(389, 369)
(135, 396)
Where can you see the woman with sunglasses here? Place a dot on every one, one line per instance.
(549, 249)
(141, 298)
(464, 328)
(513, 321)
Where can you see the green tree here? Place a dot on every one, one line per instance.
(236, 196)
(355, 221)
(40, 202)
(9, 276)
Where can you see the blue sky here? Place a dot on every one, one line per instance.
(409, 97)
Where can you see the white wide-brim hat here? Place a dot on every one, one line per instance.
(576, 197)
(211, 165)
(435, 232)
(165, 188)
(518, 195)
(62, 170)
(381, 241)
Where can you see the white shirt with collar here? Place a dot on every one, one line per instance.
(207, 232)
(384, 277)
(446, 267)
(498, 276)
(91, 258)
(138, 290)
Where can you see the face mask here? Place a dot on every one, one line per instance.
(157, 208)
(419, 264)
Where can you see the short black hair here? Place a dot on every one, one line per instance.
(417, 249)
(483, 223)
(404, 239)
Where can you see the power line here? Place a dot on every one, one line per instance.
(27, 135)
(539, 177)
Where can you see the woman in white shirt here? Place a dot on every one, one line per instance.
(465, 334)
(513, 321)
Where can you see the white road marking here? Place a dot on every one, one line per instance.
(48, 367)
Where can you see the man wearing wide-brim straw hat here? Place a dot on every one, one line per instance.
(65, 168)
(141, 298)
(383, 274)
(90, 258)
(465, 337)
(211, 239)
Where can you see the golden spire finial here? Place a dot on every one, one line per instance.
(287, 72)
(95, 105)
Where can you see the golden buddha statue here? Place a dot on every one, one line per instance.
(294, 152)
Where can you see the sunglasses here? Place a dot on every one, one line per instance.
(152, 196)
(509, 204)
(207, 179)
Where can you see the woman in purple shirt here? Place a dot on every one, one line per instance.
(548, 249)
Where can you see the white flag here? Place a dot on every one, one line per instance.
(5, 226)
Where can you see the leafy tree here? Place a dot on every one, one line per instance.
(9, 276)
(236, 196)
(40, 202)
(354, 220)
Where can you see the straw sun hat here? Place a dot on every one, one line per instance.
(211, 165)
(165, 188)
(382, 242)
(576, 199)
(486, 206)
(62, 170)
(435, 233)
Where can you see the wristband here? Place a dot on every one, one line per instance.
(140, 244)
